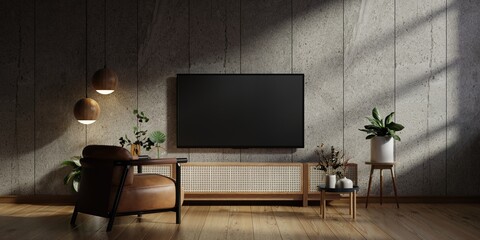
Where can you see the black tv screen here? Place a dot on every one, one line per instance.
(240, 110)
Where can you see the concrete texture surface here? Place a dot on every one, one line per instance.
(417, 58)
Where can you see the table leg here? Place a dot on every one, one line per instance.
(369, 185)
(354, 204)
(324, 203)
(392, 171)
(351, 204)
(381, 186)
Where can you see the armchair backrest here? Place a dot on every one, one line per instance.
(100, 177)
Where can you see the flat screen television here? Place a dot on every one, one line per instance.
(240, 110)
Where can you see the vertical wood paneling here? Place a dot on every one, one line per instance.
(163, 52)
(463, 97)
(369, 72)
(266, 48)
(59, 83)
(318, 53)
(420, 96)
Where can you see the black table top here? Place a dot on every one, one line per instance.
(322, 187)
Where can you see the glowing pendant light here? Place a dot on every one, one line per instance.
(86, 110)
(105, 81)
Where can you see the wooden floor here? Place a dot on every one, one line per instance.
(411, 221)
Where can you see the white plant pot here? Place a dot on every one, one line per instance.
(381, 150)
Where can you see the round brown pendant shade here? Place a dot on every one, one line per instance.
(105, 81)
(86, 110)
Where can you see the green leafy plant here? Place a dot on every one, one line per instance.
(140, 135)
(333, 162)
(380, 127)
(158, 138)
(74, 176)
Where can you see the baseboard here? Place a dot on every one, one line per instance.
(39, 199)
(249, 199)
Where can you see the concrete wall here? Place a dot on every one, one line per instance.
(419, 58)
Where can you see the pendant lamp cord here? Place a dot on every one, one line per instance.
(86, 48)
(105, 34)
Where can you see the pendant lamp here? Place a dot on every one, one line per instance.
(86, 110)
(105, 80)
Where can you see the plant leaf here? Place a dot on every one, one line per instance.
(370, 136)
(372, 127)
(75, 185)
(157, 137)
(395, 126)
(376, 114)
(69, 163)
(396, 137)
(389, 118)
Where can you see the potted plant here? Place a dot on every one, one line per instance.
(141, 140)
(382, 134)
(74, 176)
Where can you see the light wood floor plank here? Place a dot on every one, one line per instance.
(341, 228)
(463, 213)
(240, 223)
(314, 226)
(290, 227)
(389, 223)
(153, 226)
(411, 221)
(192, 223)
(216, 224)
(362, 223)
(440, 223)
(264, 223)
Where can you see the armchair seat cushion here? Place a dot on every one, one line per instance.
(147, 192)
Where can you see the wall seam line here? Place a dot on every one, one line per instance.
(446, 97)
(34, 94)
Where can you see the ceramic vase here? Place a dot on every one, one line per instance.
(135, 149)
(344, 183)
(330, 181)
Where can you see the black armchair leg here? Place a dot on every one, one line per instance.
(178, 214)
(110, 223)
(74, 216)
(113, 213)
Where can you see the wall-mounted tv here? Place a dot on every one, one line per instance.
(240, 110)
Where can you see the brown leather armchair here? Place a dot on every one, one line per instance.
(109, 187)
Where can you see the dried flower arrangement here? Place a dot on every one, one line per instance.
(331, 162)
